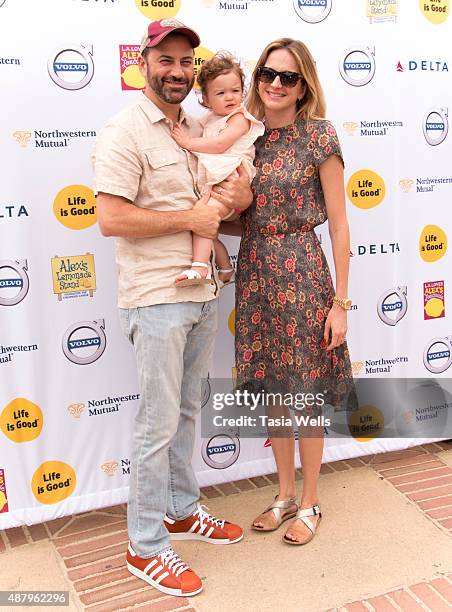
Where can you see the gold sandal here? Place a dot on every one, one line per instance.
(276, 508)
(302, 515)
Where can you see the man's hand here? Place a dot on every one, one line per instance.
(180, 136)
(205, 219)
(235, 191)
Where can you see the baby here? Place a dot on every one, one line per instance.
(227, 141)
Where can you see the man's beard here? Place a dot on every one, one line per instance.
(162, 88)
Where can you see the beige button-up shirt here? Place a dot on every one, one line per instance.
(136, 158)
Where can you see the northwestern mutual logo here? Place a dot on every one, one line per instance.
(44, 139)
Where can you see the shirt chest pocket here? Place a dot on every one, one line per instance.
(166, 171)
(162, 158)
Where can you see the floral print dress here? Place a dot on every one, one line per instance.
(284, 289)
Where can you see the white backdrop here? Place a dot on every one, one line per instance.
(68, 382)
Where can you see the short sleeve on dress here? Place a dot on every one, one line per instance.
(325, 142)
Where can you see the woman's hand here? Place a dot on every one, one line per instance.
(234, 191)
(180, 136)
(336, 325)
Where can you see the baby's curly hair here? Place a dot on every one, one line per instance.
(221, 63)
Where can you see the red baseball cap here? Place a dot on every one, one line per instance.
(157, 30)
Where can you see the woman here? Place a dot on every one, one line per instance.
(290, 323)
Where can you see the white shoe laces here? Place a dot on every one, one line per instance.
(205, 517)
(173, 562)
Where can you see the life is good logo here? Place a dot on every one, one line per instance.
(312, 11)
(159, 9)
(357, 66)
(53, 482)
(432, 243)
(84, 342)
(21, 420)
(71, 67)
(435, 11)
(366, 189)
(392, 305)
(14, 281)
(75, 207)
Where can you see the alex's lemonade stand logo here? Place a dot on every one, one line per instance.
(73, 276)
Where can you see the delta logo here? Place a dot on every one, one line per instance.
(424, 184)
(43, 139)
(422, 65)
(13, 211)
(370, 128)
(382, 248)
(3, 493)
(434, 300)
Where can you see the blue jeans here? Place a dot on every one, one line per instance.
(173, 345)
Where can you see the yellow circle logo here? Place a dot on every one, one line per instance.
(434, 307)
(158, 9)
(53, 481)
(432, 243)
(75, 207)
(231, 322)
(21, 420)
(201, 55)
(366, 189)
(366, 423)
(436, 11)
(132, 77)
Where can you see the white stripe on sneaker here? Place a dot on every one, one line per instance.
(193, 527)
(208, 534)
(149, 566)
(156, 571)
(161, 577)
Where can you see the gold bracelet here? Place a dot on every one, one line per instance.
(344, 303)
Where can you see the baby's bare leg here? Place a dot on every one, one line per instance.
(223, 262)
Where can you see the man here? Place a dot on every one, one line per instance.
(146, 187)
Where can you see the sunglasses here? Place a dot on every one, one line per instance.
(268, 75)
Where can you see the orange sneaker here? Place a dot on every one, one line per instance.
(165, 572)
(202, 526)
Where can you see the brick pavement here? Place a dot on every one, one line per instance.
(92, 545)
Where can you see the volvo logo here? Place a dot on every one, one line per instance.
(14, 282)
(437, 354)
(357, 66)
(221, 451)
(392, 305)
(71, 67)
(435, 126)
(312, 11)
(84, 342)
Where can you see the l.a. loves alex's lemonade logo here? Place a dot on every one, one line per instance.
(436, 11)
(73, 276)
(21, 420)
(75, 207)
(53, 481)
(366, 189)
(158, 9)
(131, 77)
(434, 300)
(366, 423)
(3, 494)
(432, 243)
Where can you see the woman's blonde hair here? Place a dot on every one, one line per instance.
(312, 105)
